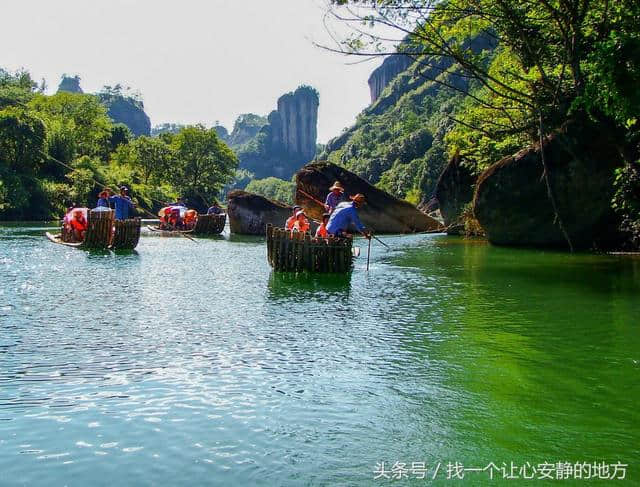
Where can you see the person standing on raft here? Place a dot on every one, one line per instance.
(346, 215)
(122, 204)
(335, 197)
(103, 199)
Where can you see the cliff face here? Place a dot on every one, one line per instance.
(382, 76)
(282, 143)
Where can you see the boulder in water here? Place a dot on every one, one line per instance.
(454, 191)
(512, 204)
(382, 213)
(249, 213)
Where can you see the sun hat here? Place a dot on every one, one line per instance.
(301, 212)
(359, 198)
(337, 186)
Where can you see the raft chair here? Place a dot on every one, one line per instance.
(299, 252)
(210, 224)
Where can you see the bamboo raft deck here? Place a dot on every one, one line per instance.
(298, 252)
(103, 233)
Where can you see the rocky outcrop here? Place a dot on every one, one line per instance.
(294, 125)
(511, 201)
(70, 84)
(383, 74)
(127, 110)
(454, 191)
(285, 141)
(250, 213)
(383, 213)
(245, 128)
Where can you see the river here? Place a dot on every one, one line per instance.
(189, 363)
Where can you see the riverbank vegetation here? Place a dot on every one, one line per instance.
(512, 73)
(59, 150)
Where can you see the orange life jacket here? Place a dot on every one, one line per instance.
(321, 232)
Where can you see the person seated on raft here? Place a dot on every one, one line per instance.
(190, 218)
(301, 224)
(346, 215)
(292, 219)
(322, 232)
(214, 209)
(78, 225)
(334, 198)
(174, 220)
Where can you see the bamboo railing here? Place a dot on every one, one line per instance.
(126, 234)
(210, 224)
(297, 252)
(100, 226)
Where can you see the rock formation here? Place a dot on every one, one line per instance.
(126, 110)
(250, 213)
(511, 201)
(70, 84)
(454, 191)
(383, 74)
(383, 213)
(282, 143)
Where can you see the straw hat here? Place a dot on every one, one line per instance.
(337, 186)
(359, 198)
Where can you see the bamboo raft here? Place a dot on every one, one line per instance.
(205, 225)
(298, 252)
(103, 233)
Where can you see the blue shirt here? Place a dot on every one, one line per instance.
(103, 202)
(333, 200)
(342, 217)
(214, 210)
(122, 205)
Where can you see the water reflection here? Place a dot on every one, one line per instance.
(285, 285)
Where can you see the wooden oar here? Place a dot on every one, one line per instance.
(373, 236)
(312, 198)
(368, 253)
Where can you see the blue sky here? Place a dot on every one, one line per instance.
(193, 61)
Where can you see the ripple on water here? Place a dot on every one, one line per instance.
(193, 363)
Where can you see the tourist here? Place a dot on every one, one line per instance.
(301, 224)
(78, 225)
(122, 204)
(346, 215)
(215, 209)
(292, 219)
(103, 199)
(322, 232)
(335, 197)
(190, 218)
(179, 202)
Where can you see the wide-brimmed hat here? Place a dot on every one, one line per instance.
(359, 198)
(301, 212)
(337, 186)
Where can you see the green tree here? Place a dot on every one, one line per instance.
(203, 164)
(273, 188)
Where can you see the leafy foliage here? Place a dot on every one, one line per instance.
(274, 188)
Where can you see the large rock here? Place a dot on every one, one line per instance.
(383, 213)
(384, 74)
(511, 201)
(454, 191)
(250, 213)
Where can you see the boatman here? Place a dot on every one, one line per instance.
(103, 198)
(335, 197)
(122, 204)
(346, 215)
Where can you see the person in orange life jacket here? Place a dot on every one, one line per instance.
(301, 223)
(292, 219)
(79, 225)
(322, 232)
(334, 198)
(190, 217)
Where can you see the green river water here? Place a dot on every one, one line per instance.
(189, 363)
